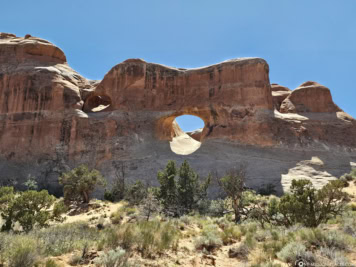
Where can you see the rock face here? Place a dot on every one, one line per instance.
(53, 119)
(309, 97)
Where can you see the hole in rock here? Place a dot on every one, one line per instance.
(98, 103)
(187, 130)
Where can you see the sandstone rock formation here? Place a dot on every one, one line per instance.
(53, 119)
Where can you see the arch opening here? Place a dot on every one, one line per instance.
(97, 103)
(187, 134)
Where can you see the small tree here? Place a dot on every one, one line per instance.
(180, 195)
(150, 205)
(7, 198)
(80, 182)
(233, 184)
(167, 192)
(310, 206)
(304, 204)
(29, 208)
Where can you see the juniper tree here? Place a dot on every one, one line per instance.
(80, 182)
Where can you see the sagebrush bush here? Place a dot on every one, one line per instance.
(65, 238)
(148, 237)
(231, 234)
(125, 210)
(240, 252)
(335, 256)
(210, 238)
(113, 258)
(295, 251)
(22, 251)
(332, 239)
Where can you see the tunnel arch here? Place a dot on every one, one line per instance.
(168, 129)
(97, 103)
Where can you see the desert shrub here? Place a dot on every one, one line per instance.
(113, 258)
(31, 183)
(240, 252)
(76, 259)
(23, 251)
(210, 238)
(51, 263)
(187, 220)
(250, 240)
(219, 207)
(304, 204)
(295, 251)
(59, 208)
(148, 237)
(349, 176)
(30, 208)
(80, 182)
(231, 234)
(335, 256)
(180, 190)
(156, 237)
(332, 239)
(336, 240)
(125, 210)
(66, 238)
(116, 217)
(348, 225)
(126, 235)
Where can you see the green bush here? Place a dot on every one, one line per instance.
(240, 252)
(23, 251)
(30, 208)
(335, 256)
(65, 238)
(113, 258)
(231, 234)
(59, 208)
(210, 238)
(219, 207)
(295, 251)
(80, 182)
(304, 204)
(148, 237)
(349, 176)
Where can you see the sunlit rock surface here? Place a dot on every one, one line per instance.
(53, 119)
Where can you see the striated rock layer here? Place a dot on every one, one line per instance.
(53, 119)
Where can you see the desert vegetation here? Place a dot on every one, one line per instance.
(176, 224)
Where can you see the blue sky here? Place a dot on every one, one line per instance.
(301, 40)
